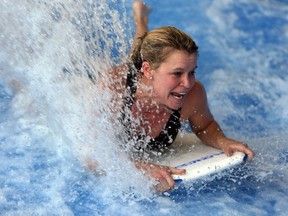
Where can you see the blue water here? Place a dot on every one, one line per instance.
(52, 114)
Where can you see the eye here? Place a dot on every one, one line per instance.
(192, 73)
(177, 74)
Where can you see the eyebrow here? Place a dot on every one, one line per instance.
(183, 69)
(195, 67)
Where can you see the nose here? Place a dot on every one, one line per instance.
(188, 81)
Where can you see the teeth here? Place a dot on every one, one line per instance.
(178, 95)
(175, 93)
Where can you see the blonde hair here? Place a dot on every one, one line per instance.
(156, 45)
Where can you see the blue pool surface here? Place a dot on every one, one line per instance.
(50, 109)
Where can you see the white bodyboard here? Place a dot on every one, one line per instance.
(199, 160)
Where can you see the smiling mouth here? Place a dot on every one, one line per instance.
(178, 95)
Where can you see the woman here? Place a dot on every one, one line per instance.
(162, 92)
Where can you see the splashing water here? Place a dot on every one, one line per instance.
(55, 111)
(52, 56)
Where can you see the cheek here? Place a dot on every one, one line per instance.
(193, 79)
(168, 87)
(162, 86)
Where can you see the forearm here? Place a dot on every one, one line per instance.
(211, 135)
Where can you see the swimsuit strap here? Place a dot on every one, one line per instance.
(167, 135)
(128, 98)
(130, 88)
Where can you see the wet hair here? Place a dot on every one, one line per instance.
(156, 45)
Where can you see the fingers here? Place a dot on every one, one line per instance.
(245, 149)
(250, 154)
(164, 176)
(242, 147)
(166, 181)
(176, 171)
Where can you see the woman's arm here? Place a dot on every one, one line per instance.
(206, 128)
(162, 174)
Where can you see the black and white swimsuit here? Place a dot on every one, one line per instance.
(167, 135)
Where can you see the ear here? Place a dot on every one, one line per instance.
(148, 72)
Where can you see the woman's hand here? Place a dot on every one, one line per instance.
(230, 146)
(163, 174)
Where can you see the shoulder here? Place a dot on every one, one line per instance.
(117, 77)
(195, 101)
(119, 71)
(196, 94)
(198, 87)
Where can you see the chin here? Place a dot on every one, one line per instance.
(174, 106)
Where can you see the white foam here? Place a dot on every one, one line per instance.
(46, 50)
(60, 114)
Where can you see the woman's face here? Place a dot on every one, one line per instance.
(174, 78)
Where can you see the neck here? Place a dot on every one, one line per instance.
(146, 98)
